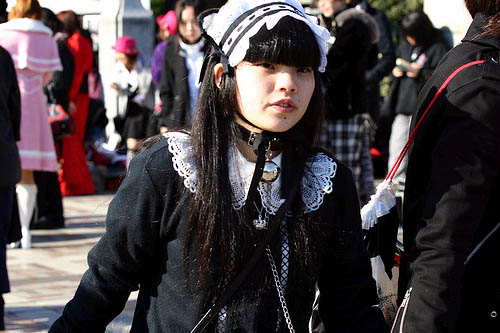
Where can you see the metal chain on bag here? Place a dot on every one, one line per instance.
(279, 288)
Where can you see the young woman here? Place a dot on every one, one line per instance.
(35, 56)
(450, 271)
(418, 55)
(196, 205)
(74, 175)
(179, 84)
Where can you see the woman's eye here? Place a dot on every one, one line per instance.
(266, 65)
(304, 69)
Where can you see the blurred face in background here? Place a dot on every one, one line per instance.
(329, 7)
(188, 27)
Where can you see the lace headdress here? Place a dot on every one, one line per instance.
(232, 26)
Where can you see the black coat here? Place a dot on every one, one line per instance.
(143, 249)
(10, 122)
(452, 196)
(379, 67)
(406, 89)
(348, 59)
(174, 87)
(61, 80)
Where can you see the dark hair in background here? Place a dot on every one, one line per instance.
(26, 9)
(490, 8)
(50, 20)
(214, 226)
(70, 22)
(418, 26)
(3, 11)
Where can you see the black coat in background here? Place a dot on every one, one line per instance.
(10, 122)
(452, 197)
(382, 57)
(10, 165)
(174, 86)
(348, 59)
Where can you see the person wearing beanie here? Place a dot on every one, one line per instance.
(167, 25)
(131, 84)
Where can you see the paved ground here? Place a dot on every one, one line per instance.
(43, 279)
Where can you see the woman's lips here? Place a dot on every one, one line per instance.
(284, 106)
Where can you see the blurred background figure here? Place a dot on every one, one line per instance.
(49, 198)
(383, 57)
(10, 168)
(131, 84)
(35, 56)
(3, 11)
(346, 132)
(74, 175)
(183, 59)
(418, 54)
(167, 25)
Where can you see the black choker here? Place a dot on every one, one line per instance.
(263, 144)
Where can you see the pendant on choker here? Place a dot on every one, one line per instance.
(270, 170)
(260, 222)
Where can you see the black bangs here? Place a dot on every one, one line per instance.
(291, 42)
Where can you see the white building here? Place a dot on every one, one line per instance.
(450, 13)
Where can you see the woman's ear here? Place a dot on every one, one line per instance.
(218, 72)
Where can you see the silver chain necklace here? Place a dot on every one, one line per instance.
(279, 288)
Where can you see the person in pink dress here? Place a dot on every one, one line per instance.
(74, 175)
(35, 57)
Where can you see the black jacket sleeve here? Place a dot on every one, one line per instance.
(348, 301)
(123, 257)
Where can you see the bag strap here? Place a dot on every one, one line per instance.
(49, 87)
(481, 243)
(242, 275)
(395, 167)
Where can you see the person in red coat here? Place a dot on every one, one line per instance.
(74, 175)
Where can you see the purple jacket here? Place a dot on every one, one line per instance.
(157, 62)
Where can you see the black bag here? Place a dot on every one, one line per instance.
(61, 122)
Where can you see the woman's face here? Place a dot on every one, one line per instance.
(411, 40)
(273, 97)
(330, 7)
(188, 27)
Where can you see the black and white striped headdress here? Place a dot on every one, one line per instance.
(232, 26)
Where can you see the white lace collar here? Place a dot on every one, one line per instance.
(316, 182)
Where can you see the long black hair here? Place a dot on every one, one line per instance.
(217, 234)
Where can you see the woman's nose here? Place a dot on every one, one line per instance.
(286, 81)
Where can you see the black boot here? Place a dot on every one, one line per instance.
(2, 304)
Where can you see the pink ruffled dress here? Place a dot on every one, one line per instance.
(35, 56)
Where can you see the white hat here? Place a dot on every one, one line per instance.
(238, 20)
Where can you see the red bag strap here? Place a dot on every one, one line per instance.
(395, 167)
